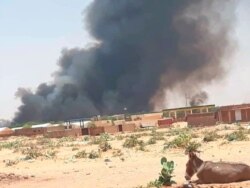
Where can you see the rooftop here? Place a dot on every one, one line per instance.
(190, 107)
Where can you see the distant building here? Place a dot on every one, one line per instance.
(181, 113)
(234, 113)
(5, 131)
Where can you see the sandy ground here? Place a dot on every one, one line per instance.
(133, 169)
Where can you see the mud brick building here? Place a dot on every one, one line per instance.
(180, 114)
(234, 113)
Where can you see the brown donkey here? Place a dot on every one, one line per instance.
(215, 172)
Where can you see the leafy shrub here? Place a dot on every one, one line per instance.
(239, 135)
(178, 131)
(81, 154)
(98, 140)
(181, 141)
(210, 136)
(27, 126)
(131, 142)
(105, 136)
(155, 183)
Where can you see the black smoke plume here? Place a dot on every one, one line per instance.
(198, 99)
(145, 47)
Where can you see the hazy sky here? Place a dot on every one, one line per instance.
(32, 34)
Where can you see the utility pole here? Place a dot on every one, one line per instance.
(186, 98)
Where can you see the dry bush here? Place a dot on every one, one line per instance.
(11, 162)
(211, 136)
(131, 142)
(151, 141)
(104, 145)
(157, 135)
(67, 139)
(93, 154)
(239, 135)
(81, 154)
(75, 148)
(117, 153)
(192, 146)
(178, 131)
(119, 137)
(11, 145)
(31, 153)
(181, 141)
(50, 154)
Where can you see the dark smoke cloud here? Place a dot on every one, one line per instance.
(198, 99)
(144, 48)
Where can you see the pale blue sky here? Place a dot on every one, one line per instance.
(33, 32)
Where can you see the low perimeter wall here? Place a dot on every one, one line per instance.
(206, 119)
(64, 133)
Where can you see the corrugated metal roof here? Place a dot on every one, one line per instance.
(189, 107)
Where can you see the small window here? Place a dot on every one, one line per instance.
(172, 114)
(211, 109)
(166, 114)
(204, 110)
(180, 114)
(196, 111)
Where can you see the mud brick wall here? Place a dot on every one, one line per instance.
(85, 131)
(7, 134)
(164, 126)
(56, 128)
(55, 134)
(245, 115)
(30, 131)
(74, 132)
(111, 129)
(95, 131)
(128, 128)
(64, 133)
(164, 123)
(206, 119)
